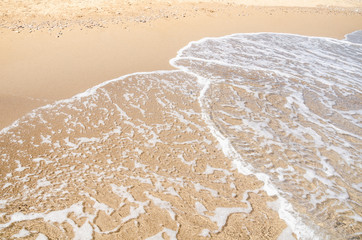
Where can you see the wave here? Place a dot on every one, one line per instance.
(283, 108)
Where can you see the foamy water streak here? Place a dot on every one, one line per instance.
(291, 107)
(160, 155)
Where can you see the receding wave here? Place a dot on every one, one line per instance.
(291, 107)
(255, 135)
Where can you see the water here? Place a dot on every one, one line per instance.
(355, 37)
(253, 131)
(290, 108)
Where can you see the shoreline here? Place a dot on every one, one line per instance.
(277, 228)
(50, 66)
(43, 103)
(124, 142)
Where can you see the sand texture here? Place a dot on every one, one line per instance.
(47, 57)
(132, 158)
(130, 169)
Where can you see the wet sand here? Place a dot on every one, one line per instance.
(92, 166)
(52, 57)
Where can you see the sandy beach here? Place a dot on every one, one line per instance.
(134, 158)
(50, 53)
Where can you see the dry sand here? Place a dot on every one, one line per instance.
(51, 50)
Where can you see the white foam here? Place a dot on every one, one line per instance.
(20, 168)
(222, 214)
(205, 233)
(70, 144)
(124, 194)
(37, 160)
(200, 208)
(190, 163)
(41, 237)
(312, 60)
(221, 56)
(354, 37)
(200, 187)
(59, 216)
(3, 203)
(85, 232)
(162, 204)
(98, 206)
(43, 182)
(46, 140)
(171, 191)
(7, 185)
(21, 234)
(211, 170)
(287, 234)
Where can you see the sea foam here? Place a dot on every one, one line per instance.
(293, 103)
(129, 152)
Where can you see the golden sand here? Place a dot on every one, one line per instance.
(52, 50)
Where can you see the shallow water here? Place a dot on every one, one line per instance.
(284, 110)
(291, 107)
